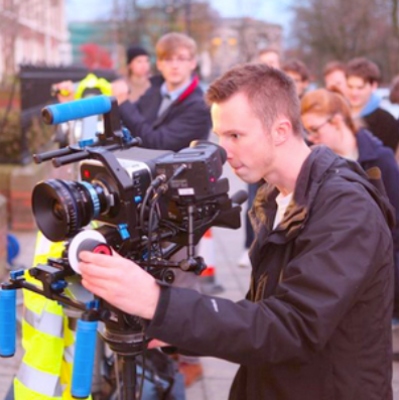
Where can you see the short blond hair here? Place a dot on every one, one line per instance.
(170, 42)
(270, 93)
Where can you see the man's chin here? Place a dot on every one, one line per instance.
(240, 172)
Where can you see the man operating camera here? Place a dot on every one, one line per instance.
(316, 321)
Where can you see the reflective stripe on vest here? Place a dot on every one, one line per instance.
(46, 369)
(42, 337)
(69, 354)
(40, 382)
(48, 323)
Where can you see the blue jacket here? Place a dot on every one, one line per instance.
(186, 119)
(372, 153)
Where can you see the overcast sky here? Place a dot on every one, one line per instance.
(274, 11)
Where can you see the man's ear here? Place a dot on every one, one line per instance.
(281, 131)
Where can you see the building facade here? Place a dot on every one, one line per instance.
(32, 31)
(239, 40)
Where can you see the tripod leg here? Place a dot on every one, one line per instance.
(128, 377)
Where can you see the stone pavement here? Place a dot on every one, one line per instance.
(218, 374)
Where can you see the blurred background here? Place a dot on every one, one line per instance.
(47, 41)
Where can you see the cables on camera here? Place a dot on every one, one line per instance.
(156, 189)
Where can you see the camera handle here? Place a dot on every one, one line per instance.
(83, 365)
(8, 320)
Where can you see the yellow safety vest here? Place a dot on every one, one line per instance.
(91, 81)
(46, 369)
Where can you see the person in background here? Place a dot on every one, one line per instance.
(172, 112)
(327, 119)
(170, 115)
(394, 91)
(270, 57)
(316, 323)
(391, 103)
(363, 77)
(138, 73)
(335, 77)
(299, 73)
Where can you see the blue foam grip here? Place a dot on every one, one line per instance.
(85, 347)
(58, 113)
(8, 322)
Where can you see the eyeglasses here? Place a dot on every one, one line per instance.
(178, 60)
(314, 130)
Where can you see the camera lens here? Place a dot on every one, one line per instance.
(61, 208)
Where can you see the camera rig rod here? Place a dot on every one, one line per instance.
(114, 136)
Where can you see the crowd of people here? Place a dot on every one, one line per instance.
(322, 228)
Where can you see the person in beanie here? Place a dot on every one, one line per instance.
(138, 64)
(138, 73)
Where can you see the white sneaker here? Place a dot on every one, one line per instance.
(244, 262)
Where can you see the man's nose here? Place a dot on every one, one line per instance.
(227, 149)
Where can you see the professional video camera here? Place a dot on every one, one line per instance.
(147, 205)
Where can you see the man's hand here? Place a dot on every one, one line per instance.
(120, 90)
(120, 282)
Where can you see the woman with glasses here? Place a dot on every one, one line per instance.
(327, 120)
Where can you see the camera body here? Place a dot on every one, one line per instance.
(118, 190)
(144, 204)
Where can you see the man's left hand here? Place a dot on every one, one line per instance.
(120, 282)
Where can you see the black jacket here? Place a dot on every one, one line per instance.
(316, 323)
(372, 153)
(383, 125)
(186, 119)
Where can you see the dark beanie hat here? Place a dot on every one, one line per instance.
(133, 52)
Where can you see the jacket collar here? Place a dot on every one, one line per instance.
(371, 105)
(190, 89)
(312, 174)
(320, 164)
(181, 93)
(368, 145)
(158, 80)
(186, 93)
